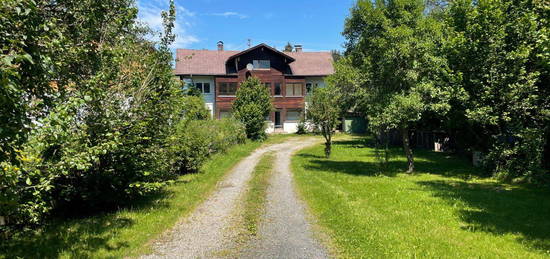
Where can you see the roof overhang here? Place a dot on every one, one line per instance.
(288, 58)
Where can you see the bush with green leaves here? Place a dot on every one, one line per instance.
(194, 141)
(251, 106)
(99, 136)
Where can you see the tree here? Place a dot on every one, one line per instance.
(288, 47)
(395, 46)
(251, 106)
(500, 50)
(336, 55)
(93, 103)
(323, 111)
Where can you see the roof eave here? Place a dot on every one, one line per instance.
(291, 59)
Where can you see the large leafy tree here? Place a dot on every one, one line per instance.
(324, 111)
(252, 104)
(394, 45)
(500, 50)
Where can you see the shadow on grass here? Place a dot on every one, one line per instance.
(500, 211)
(78, 237)
(356, 142)
(427, 162)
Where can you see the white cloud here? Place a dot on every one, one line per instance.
(150, 15)
(231, 14)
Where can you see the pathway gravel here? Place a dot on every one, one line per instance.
(285, 231)
(209, 232)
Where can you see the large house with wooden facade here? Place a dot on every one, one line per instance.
(289, 75)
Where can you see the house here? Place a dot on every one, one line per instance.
(290, 76)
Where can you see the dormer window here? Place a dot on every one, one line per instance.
(261, 64)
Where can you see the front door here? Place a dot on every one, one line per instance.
(278, 119)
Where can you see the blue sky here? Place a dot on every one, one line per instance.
(316, 24)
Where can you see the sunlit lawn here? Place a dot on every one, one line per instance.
(442, 211)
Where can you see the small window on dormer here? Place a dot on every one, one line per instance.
(261, 64)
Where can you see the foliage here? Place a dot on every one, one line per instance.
(251, 106)
(336, 55)
(195, 141)
(500, 50)
(194, 108)
(288, 47)
(395, 46)
(125, 232)
(301, 126)
(95, 101)
(323, 111)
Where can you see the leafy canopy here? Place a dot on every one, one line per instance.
(324, 112)
(251, 106)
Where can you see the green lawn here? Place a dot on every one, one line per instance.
(442, 211)
(127, 232)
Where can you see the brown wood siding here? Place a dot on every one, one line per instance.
(271, 76)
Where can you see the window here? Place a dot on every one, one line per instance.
(261, 64)
(308, 88)
(293, 115)
(228, 88)
(225, 114)
(203, 87)
(294, 90)
(278, 91)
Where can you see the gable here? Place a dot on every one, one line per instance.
(277, 61)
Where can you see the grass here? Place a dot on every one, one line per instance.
(444, 210)
(255, 198)
(127, 232)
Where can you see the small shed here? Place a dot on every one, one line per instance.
(354, 125)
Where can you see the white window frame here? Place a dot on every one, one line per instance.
(202, 87)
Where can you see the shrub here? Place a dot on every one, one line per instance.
(102, 140)
(301, 126)
(194, 141)
(194, 108)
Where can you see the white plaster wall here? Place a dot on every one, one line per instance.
(270, 127)
(320, 81)
(209, 98)
(290, 127)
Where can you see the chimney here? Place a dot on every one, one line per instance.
(298, 48)
(220, 45)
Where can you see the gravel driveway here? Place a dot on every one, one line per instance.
(210, 230)
(284, 231)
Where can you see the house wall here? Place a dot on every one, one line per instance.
(281, 102)
(209, 98)
(217, 103)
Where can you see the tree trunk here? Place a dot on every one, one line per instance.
(328, 147)
(407, 148)
(328, 141)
